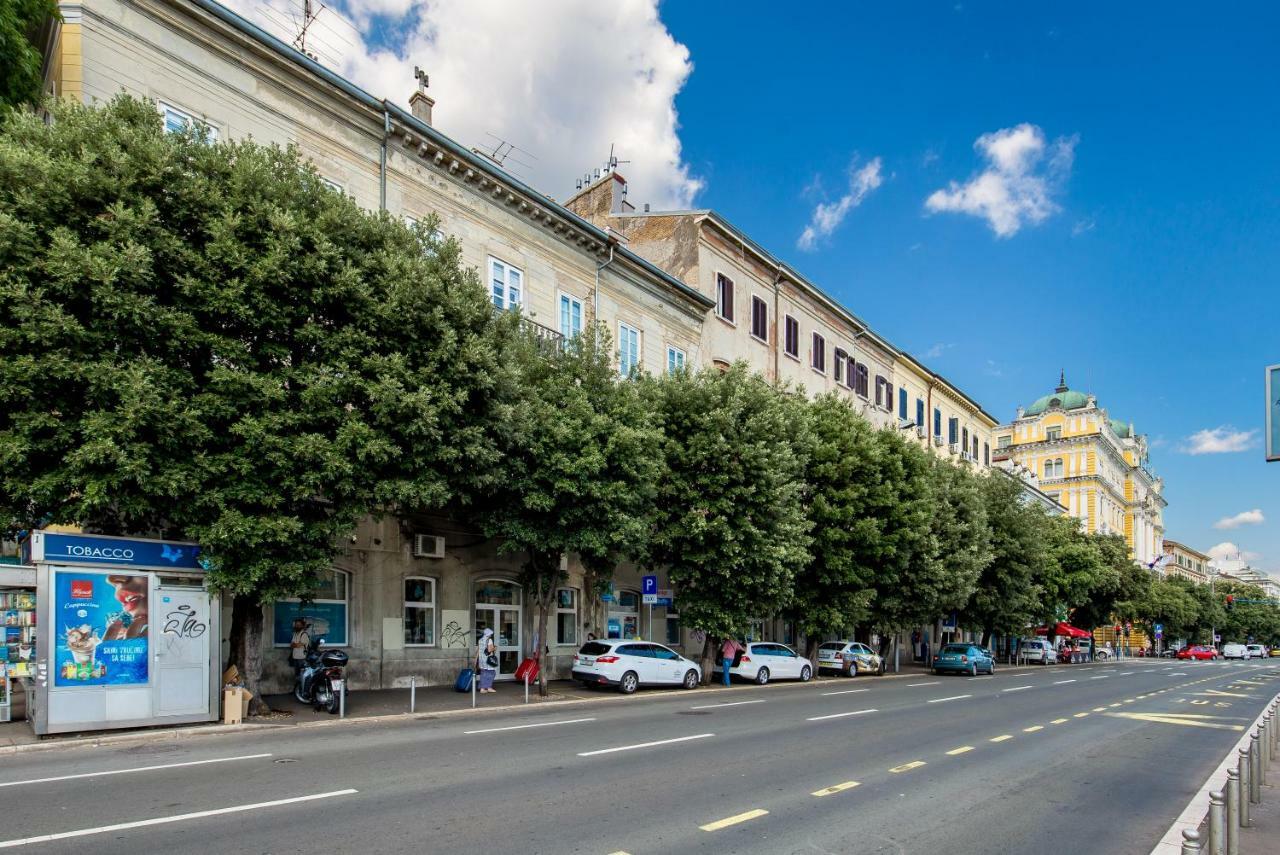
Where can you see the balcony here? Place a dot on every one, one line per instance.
(546, 337)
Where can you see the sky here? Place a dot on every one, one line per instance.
(1004, 190)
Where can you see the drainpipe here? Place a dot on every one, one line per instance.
(777, 309)
(382, 167)
(595, 294)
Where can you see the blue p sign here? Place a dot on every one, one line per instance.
(649, 585)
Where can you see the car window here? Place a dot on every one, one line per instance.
(955, 648)
(635, 650)
(660, 652)
(594, 648)
(860, 648)
(831, 647)
(783, 650)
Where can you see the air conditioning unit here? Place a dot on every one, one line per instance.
(428, 546)
(920, 431)
(964, 455)
(937, 439)
(954, 448)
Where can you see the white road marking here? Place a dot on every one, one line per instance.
(729, 704)
(840, 715)
(1060, 682)
(845, 692)
(1015, 689)
(1125, 673)
(931, 683)
(1097, 678)
(525, 726)
(644, 745)
(952, 698)
(165, 820)
(131, 771)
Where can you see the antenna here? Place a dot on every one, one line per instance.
(309, 14)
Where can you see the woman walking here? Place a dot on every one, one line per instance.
(487, 662)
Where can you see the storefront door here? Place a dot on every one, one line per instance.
(182, 651)
(498, 608)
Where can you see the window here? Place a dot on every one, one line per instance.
(325, 611)
(860, 379)
(1003, 441)
(1054, 468)
(177, 121)
(566, 616)
(879, 391)
(628, 349)
(986, 454)
(724, 297)
(506, 284)
(837, 368)
(974, 452)
(964, 440)
(920, 412)
(902, 404)
(953, 430)
(759, 319)
(792, 337)
(332, 185)
(570, 316)
(937, 422)
(1048, 469)
(819, 355)
(675, 359)
(673, 627)
(1052, 434)
(419, 612)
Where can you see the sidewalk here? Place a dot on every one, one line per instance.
(1264, 837)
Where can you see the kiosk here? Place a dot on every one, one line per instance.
(127, 633)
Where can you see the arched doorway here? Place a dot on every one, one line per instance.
(498, 606)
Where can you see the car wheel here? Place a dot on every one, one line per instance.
(993, 667)
(805, 674)
(762, 676)
(973, 669)
(853, 669)
(691, 679)
(629, 683)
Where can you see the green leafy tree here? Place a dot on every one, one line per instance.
(215, 346)
(580, 463)
(729, 521)
(1119, 582)
(1171, 602)
(1075, 568)
(20, 58)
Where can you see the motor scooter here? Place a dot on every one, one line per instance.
(321, 679)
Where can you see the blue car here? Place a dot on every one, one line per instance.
(963, 659)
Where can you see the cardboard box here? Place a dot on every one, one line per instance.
(235, 703)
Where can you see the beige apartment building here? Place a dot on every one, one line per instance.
(1186, 562)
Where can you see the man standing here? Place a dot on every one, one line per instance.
(298, 645)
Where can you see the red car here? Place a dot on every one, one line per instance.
(1198, 651)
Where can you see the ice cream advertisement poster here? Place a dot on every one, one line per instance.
(101, 629)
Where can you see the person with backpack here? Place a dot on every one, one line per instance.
(487, 662)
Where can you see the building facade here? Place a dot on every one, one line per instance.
(1095, 466)
(1186, 562)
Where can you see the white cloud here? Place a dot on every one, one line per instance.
(1228, 551)
(1083, 226)
(563, 80)
(828, 216)
(1022, 174)
(1220, 440)
(1253, 517)
(937, 350)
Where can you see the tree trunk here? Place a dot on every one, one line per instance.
(811, 651)
(709, 645)
(986, 638)
(246, 648)
(543, 609)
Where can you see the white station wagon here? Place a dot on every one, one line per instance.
(764, 661)
(630, 664)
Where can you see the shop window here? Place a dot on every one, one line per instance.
(325, 609)
(624, 615)
(419, 612)
(566, 616)
(673, 628)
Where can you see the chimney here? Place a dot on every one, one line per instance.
(420, 103)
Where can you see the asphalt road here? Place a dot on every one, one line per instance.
(1077, 759)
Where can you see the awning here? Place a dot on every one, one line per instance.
(1065, 629)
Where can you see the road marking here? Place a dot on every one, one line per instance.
(845, 692)
(1015, 689)
(1033, 728)
(1128, 700)
(734, 820)
(840, 715)
(906, 767)
(729, 704)
(1058, 721)
(1115, 705)
(525, 726)
(1165, 719)
(838, 788)
(1125, 673)
(952, 698)
(1080, 715)
(130, 771)
(963, 749)
(988, 677)
(1060, 682)
(165, 820)
(1099, 709)
(644, 745)
(1216, 693)
(1001, 738)
(1098, 678)
(932, 683)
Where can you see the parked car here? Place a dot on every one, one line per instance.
(1257, 651)
(1197, 651)
(1235, 651)
(1169, 653)
(1275, 650)
(1037, 650)
(764, 661)
(963, 659)
(850, 658)
(631, 664)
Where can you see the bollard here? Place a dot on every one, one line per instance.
(1255, 769)
(413, 692)
(1217, 824)
(473, 689)
(1190, 842)
(342, 700)
(1264, 747)
(1242, 770)
(526, 687)
(1233, 812)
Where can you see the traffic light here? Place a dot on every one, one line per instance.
(1231, 602)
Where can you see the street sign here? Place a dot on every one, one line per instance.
(1159, 628)
(1273, 413)
(649, 599)
(1217, 638)
(666, 597)
(649, 585)
(1159, 633)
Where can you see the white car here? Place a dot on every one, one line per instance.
(849, 657)
(1235, 651)
(1256, 651)
(763, 661)
(630, 664)
(1037, 650)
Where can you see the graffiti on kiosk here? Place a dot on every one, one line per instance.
(184, 623)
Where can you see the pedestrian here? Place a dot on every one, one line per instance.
(1110, 652)
(728, 653)
(487, 662)
(299, 644)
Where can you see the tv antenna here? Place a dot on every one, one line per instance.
(500, 151)
(610, 165)
(310, 12)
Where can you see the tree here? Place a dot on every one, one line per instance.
(213, 345)
(1074, 568)
(1171, 602)
(1008, 595)
(729, 521)
(21, 63)
(580, 463)
(1120, 580)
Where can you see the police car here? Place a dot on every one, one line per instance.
(849, 657)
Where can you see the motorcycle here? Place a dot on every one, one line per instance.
(321, 680)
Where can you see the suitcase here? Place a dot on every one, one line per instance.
(528, 667)
(465, 678)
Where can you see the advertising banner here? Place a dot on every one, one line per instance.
(325, 619)
(101, 629)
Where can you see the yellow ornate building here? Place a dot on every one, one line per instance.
(1094, 465)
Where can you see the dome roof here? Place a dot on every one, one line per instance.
(1062, 398)
(1121, 428)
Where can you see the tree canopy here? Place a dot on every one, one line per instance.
(20, 59)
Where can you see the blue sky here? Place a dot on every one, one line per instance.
(1147, 280)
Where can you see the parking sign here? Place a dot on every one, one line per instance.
(649, 585)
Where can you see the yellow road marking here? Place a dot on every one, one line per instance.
(838, 788)
(905, 767)
(1161, 719)
(733, 820)
(1058, 721)
(961, 750)
(1033, 728)
(1000, 738)
(1080, 715)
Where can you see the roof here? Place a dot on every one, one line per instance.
(1067, 399)
(462, 153)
